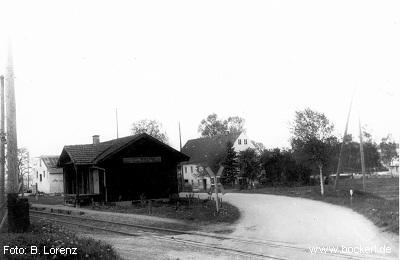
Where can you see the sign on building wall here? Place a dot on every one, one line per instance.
(154, 159)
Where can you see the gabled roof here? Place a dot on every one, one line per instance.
(95, 153)
(50, 160)
(208, 150)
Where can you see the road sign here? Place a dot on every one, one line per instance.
(217, 185)
(221, 169)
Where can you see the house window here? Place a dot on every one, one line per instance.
(40, 178)
(191, 169)
(245, 141)
(186, 181)
(44, 174)
(239, 141)
(37, 174)
(185, 169)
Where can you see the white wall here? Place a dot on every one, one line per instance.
(56, 183)
(189, 176)
(242, 143)
(50, 182)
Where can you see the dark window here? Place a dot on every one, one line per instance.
(191, 169)
(37, 174)
(40, 178)
(239, 141)
(44, 174)
(245, 141)
(186, 181)
(185, 169)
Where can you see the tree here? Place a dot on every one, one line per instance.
(310, 124)
(388, 150)
(230, 163)
(260, 148)
(212, 126)
(23, 165)
(249, 164)
(235, 124)
(150, 127)
(312, 141)
(351, 158)
(280, 167)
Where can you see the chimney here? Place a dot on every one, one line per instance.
(96, 139)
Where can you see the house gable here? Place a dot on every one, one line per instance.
(208, 150)
(243, 143)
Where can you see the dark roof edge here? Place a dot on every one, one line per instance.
(98, 159)
(215, 136)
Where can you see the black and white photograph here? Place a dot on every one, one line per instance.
(260, 129)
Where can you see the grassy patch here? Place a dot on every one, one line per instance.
(46, 199)
(45, 234)
(382, 212)
(191, 210)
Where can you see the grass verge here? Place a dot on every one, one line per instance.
(382, 212)
(46, 199)
(192, 210)
(46, 237)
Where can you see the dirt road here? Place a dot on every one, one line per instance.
(306, 222)
(276, 226)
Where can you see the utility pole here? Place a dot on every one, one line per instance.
(29, 170)
(362, 154)
(2, 145)
(342, 145)
(17, 208)
(11, 118)
(180, 138)
(116, 118)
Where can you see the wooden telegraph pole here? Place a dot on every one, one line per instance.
(342, 145)
(18, 209)
(362, 154)
(2, 146)
(12, 147)
(116, 121)
(180, 137)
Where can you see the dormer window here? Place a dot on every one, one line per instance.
(239, 141)
(245, 141)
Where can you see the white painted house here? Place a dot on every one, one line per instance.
(207, 151)
(46, 176)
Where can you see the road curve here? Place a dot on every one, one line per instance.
(307, 223)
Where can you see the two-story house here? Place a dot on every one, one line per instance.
(46, 176)
(209, 151)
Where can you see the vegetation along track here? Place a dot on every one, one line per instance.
(167, 234)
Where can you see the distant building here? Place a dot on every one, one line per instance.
(394, 165)
(46, 177)
(208, 151)
(394, 168)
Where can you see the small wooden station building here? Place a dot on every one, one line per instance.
(123, 169)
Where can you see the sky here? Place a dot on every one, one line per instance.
(75, 62)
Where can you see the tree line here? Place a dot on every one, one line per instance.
(312, 156)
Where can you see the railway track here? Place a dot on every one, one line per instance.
(238, 247)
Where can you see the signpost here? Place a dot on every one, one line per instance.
(216, 177)
(153, 159)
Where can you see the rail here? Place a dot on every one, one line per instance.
(154, 233)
